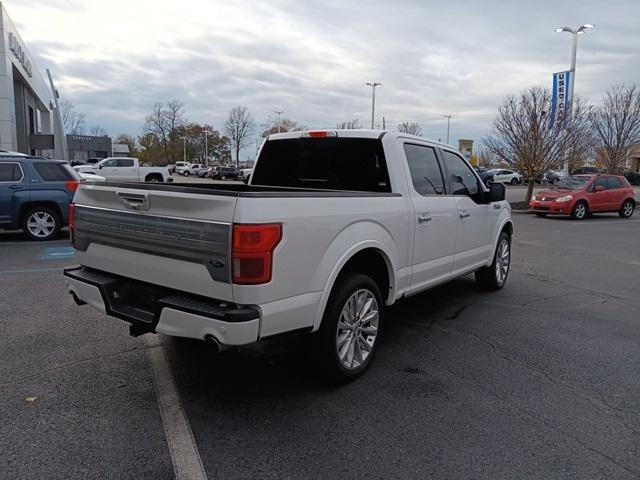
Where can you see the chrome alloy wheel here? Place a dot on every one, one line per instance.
(627, 210)
(580, 211)
(41, 224)
(503, 257)
(357, 329)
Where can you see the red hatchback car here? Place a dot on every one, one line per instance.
(582, 195)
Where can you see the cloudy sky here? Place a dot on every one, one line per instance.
(114, 59)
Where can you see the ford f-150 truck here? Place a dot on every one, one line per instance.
(126, 169)
(333, 227)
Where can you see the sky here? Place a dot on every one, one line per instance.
(114, 59)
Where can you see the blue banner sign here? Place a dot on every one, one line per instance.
(560, 98)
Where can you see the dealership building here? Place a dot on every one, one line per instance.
(28, 121)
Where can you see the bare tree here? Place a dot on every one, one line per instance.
(351, 125)
(581, 147)
(616, 124)
(412, 128)
(129, 140)
(164, 122)
(98, 131)
(280, 126)
(524, 137)
(239, 126)
(73, 121)
(484, 159)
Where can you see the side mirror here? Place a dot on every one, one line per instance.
(497, 192)
(599, 188)
(99, 167)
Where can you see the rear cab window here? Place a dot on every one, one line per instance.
(352, 164)
(54, 171)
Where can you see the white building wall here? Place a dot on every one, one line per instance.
(40, 97)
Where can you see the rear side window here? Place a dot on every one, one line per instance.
(125, 162)
(613, 182)
(463, 180)
(10, 172)
(53, 172)
(425, 171)
(356, 164)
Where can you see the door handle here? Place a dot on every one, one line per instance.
(424, 218)
(14, 187)
(497, 206)
(465, 214)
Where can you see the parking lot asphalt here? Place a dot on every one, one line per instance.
(539, 380)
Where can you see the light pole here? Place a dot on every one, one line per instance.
(448, 117)
(184, 149)
(574, 50)
(206, 147)
(373, 86)
(278, 113)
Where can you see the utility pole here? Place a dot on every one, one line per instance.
(206, 147)
(384, 123)
(184, 149)
(279, 121)
(448, 117)
(373, 86)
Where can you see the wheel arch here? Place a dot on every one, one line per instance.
(154, 175)
(368, 257)
(25, 207)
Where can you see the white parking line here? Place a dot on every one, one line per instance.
(30, 270)
(185, 457)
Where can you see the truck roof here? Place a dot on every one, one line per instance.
(363, 133)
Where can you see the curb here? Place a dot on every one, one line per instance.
(522, 212)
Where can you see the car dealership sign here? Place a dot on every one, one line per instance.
(560, 100)
(18, 50)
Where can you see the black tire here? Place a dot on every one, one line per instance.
(186, 173)
(38, 234)
(326, 339)
(541, 214)
(580, 211)
(153, 178)
(488, 278)
(627, 208)
(514, 181)
(223, 177)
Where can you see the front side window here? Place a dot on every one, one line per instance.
(599, 182)
(463, 180)
(125, 162)
(10, 172)
(110, 163)
(424, 168)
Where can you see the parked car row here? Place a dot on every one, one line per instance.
(216, 172)
(499, 175)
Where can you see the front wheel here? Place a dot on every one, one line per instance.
(351, 325)
(494, 277)
(514, 181)
(186, 173)
(579, 211)
(627, 208)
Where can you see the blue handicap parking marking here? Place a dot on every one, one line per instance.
(57, 253)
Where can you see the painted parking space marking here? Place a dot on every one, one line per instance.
(187, 464)
(57, 253)
(30, 270)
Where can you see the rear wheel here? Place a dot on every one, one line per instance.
(41, 223)
(580, 211)
(185, 173)
(351, 324)
(223, 177)
(494, 277)
(154, 178)
(627, 208)
(514, 181)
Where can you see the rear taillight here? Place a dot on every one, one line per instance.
(72, 186)
(252, 252)
(72, 224)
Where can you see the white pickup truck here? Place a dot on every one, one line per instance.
(125, 169)
(333, 226)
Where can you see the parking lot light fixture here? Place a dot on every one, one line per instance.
(373, 86)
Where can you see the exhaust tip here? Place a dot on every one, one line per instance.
(214, 341)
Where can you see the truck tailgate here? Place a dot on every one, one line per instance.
(170, 238)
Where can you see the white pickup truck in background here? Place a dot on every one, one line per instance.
(333, 226)
(125, 169)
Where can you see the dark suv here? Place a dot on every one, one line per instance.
(35, 194)
(224, 173)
